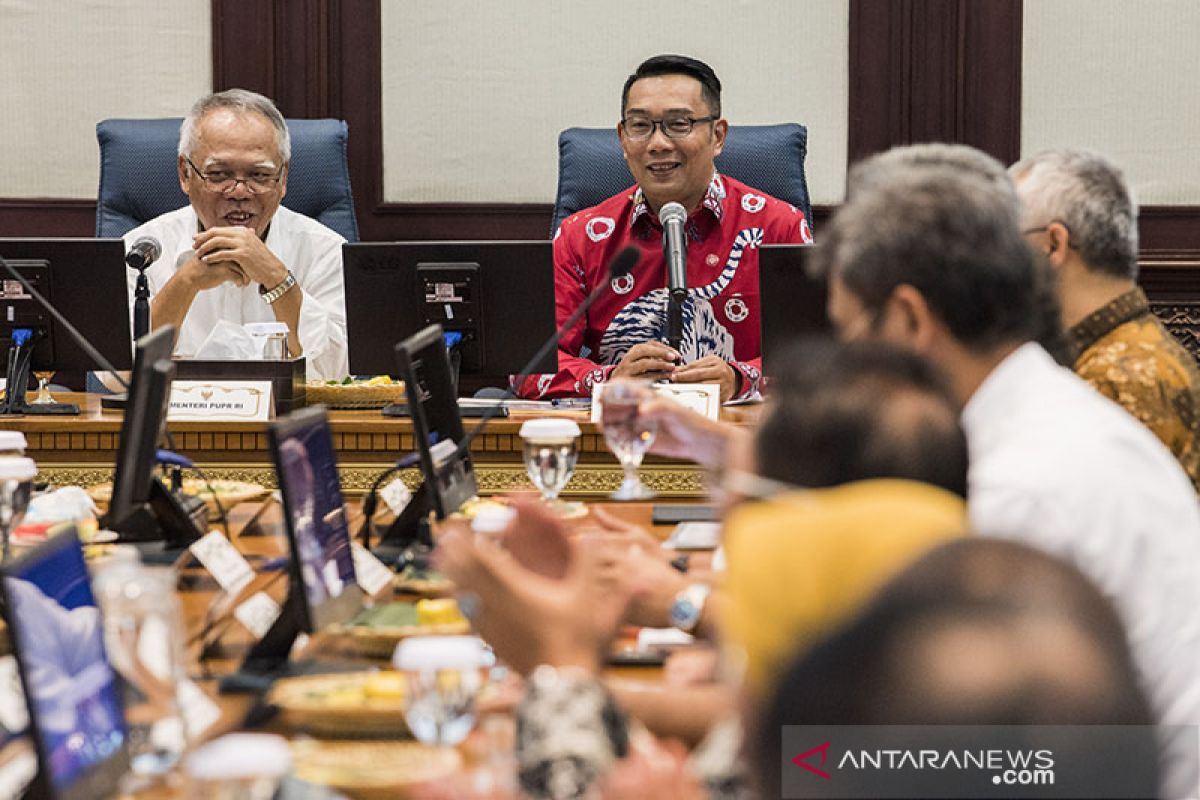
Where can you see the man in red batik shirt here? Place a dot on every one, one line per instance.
(671, 131)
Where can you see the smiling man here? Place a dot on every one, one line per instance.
(234, 253)
(671, 130)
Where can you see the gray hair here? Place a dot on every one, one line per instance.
(963, 158)
(241, 100)
(1087, 193)
(950, 235)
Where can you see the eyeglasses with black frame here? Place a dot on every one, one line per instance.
(641, 128)
(222, 182)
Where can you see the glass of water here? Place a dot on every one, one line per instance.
(444, 674)
(627, 433)
(551, 449)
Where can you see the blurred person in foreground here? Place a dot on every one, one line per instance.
(804, 559)
(933, 259)
(1078, 212)
(978, 632)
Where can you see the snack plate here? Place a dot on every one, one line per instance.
(372, 770)
(346, 704)
(353, 395)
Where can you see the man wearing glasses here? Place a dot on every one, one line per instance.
(234, 253)
(671, 131)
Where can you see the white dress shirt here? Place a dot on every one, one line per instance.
(1056, 465)
(310, 250)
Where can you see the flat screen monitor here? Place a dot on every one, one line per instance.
(85, 280)
(322, 563)
(425, 368)
(498, 295)
(143, 424)
(791, 303)
(71, 690)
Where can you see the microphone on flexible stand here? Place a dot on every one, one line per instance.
(144, 252)
(673, 216)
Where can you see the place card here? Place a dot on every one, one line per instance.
(371, 573)
(223, 401)
(198, 710)
(228, 567)
(397, 496)
(703, 398)
(258, 613)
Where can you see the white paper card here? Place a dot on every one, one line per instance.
(703, 398)
(225, 401)
(371, 573)
(654, 638)
(14, 714)
(397, 496)
(222, 560)
(694, 536)
(198, 710)
(258, 613)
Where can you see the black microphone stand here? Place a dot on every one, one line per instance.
(141, 303)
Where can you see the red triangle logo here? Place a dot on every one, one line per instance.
(800, 761)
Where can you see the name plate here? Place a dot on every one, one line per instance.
(703, 398)
(225, 401)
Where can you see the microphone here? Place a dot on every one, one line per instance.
(144, 252)
(672, 216)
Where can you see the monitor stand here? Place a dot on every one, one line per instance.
(408, 534)
(17, 382)
(164, 526)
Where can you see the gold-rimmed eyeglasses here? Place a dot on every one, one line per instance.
(224, 182)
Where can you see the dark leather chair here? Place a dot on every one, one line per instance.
(139, 179)
(770, 158)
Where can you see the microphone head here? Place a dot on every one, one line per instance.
(672, 212)
(624, 262)
(144, 252)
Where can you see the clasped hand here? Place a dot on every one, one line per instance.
(233, 254)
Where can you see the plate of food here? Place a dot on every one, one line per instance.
(564, 509)
(423, 582)
(351, 393)
(367, 703)
(375, 631)
(373, 769)
(229, 493)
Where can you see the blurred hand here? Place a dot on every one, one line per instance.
(530, 617)
(652, 769)
(710, 369)
(682, 433)
(648, 361)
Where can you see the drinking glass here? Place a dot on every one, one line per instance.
(43, 391)
(444, 674)
(551, 449)
(627, 433)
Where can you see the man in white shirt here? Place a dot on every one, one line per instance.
(932, 257)
(234, 253)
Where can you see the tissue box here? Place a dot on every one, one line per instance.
(288, 377)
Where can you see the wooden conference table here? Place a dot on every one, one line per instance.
(200, 594)
(82, 450)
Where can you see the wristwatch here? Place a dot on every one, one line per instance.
(688, 606)
(269, 296)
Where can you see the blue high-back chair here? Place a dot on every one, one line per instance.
(139, 179)
(768, 157)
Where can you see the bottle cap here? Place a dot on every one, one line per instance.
(17, 469)
(440, 652)
(241, 755)
(265, 328)
(12, 440)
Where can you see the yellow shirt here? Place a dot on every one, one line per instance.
(803, 563)
(1129, 357)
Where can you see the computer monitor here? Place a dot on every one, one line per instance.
(71, 690)
(791, 303)
(424, 367)
(141, 508)
(315, 518)
(85, 280)
(498, 295)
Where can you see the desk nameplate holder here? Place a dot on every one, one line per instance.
(226, 401)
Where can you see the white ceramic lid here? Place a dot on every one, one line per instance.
(492, 517)
(549, 429)
(17, 469)
(241, 755)
(12, 440)
(440, 652)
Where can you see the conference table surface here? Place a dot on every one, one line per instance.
(216, 643)
(81, 450)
